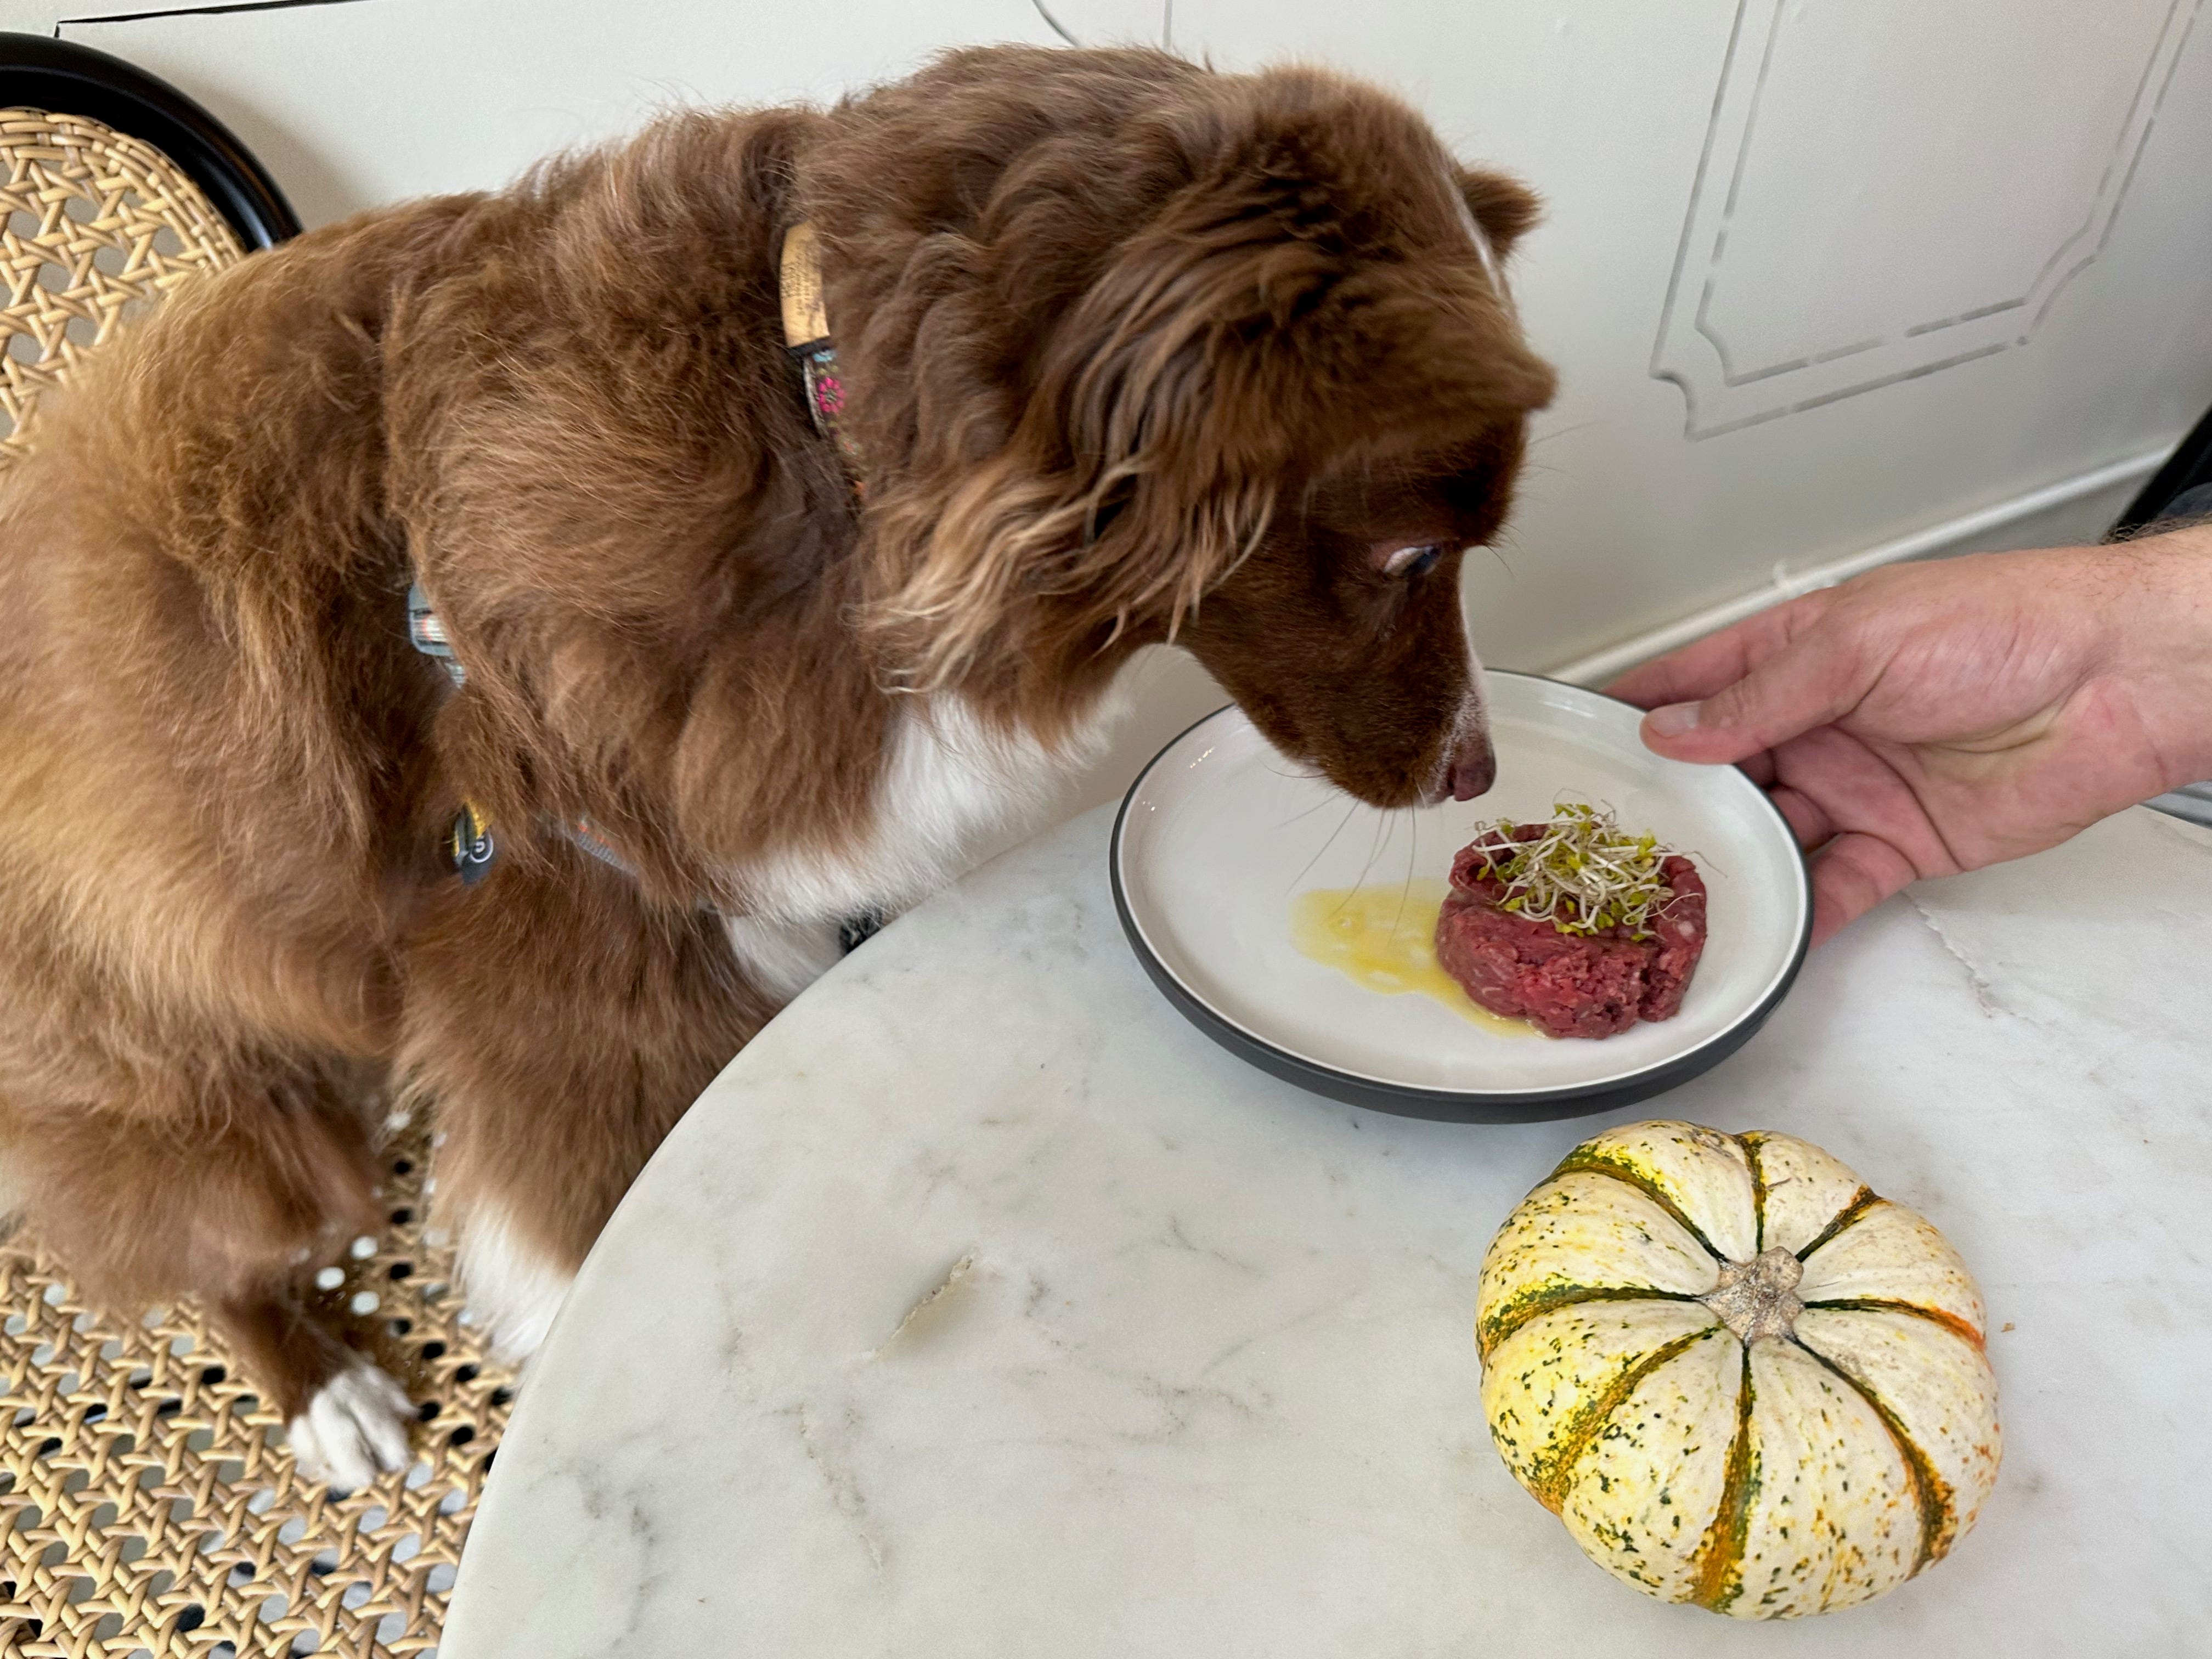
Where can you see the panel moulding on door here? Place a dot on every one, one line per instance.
(1722, 390)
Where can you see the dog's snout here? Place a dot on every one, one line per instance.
(1474, 767)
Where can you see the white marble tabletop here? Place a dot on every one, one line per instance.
(983, 1307)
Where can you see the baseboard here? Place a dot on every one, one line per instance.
(1951, 535)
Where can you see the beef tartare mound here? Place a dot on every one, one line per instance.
(1572, 926)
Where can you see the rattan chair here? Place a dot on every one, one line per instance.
(147, 1503)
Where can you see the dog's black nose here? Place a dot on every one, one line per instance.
(1473, 767)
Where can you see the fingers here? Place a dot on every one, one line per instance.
(1703, 666)
(1750, 687)
(1813, 680)
(1808, 820)
(1852, 875)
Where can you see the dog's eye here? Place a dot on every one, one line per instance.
(1411, 562)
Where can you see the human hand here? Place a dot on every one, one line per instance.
(1927, 719)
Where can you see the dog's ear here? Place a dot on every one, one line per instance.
(1127, 486)
(1213, 361)
(1506, 209)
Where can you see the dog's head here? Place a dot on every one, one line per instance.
(1268, 388)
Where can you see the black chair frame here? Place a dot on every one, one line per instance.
(2189, 467)
(61, 78)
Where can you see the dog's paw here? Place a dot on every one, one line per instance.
(355, 1426)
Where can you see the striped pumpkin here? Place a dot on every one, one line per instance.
(1738, 1376)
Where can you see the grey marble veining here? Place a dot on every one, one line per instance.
(982, 1307)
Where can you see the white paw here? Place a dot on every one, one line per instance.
(355, 1426)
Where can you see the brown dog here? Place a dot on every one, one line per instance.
(1133, 351)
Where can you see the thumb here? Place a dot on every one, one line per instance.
(1811, 680)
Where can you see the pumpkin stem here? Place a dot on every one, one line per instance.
(1759, 1298)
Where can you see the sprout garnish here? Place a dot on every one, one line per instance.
(1582, 875)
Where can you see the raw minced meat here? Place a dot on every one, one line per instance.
(1587, 985)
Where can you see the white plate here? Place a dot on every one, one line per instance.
(1219, 835)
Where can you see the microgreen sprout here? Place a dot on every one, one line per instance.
(1582, 874)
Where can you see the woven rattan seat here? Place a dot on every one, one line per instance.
(94, 226)
(149, 1506)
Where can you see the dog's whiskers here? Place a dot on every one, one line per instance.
(1350, 807)
(1406, 893)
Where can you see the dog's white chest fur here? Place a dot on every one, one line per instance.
(950, 782)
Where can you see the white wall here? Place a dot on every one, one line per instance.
(1818, 274)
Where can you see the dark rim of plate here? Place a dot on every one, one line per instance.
(1450, 1105)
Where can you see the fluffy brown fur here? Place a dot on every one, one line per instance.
(1132, 349)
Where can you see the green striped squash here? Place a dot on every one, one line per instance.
(1738, 1376)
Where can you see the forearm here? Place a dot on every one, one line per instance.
(2164, 654)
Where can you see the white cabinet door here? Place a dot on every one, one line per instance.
(1889, 188)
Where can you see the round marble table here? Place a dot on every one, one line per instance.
(982, 1307)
